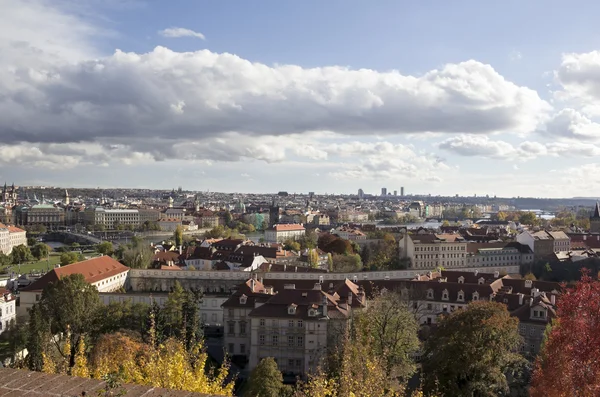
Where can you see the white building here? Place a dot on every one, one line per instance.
(281, 232)
(8, 310)
(104, 272)
(11, 237)
(429, 251)
(111, 217)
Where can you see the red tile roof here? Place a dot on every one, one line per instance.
(290, 227)
(94, 270)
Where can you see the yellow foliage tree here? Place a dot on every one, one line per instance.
(81, 365)
(169, 365)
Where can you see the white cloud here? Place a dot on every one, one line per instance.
(515, 55)
(569, 123)
(468, 145)
(180, 32)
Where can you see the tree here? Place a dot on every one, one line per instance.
(20, 254)
(569, 364)
(40, 250)
(168, 365)
(484, 339)
(227, 217)
(291, 245)
(178, 236)
(346, 263)
(528, 218)
(38, 335)
(330, 262)
(5, 260)
(313, 258)
(105, 248)
(68, 257)
(393, 330)
(139, 256)
(266, 380)
(15, 338)
(529, 276)
(69, 304)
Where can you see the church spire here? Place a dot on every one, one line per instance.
(596, 211)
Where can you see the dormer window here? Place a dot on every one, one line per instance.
(445, 295)
(429, 294)
(461, 296)
(475, 296)
(461, 280)
(243, 299)
(312, 312)
(292, 309)
(481, 281)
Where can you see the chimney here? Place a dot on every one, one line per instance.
(324, 306)
(317, 287)
(521, 296)
(553, 299)
(284, 267)
(349, 298)
(180, 250)
(496, 274)
(476, 272)
(252, 285)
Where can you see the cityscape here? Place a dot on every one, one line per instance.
(299, 199)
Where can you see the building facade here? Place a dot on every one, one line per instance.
(430, 251)
(8, 309)
(46, 215)
(10, 237)
(281, 232)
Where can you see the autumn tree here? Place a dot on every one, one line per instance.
(178, 236)
(291, 245)
(266, 381)
(528, 218)
(569, 364)
(470, 351)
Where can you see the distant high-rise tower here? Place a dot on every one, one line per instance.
(395, 192)
(361, 194)
(384, 191)
(402, 191)
(595, 220)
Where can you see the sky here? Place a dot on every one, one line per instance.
(463, 97)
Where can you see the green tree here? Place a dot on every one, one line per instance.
(528, 218)
(15, 339)
(178, 236)
(139, 256)
(266, 380)
(121, 316)
(69, 304)
(530, 276)
(105, 248)
(180, 317)
(227, 217)
(20, 254)
(484, 340)
(346, 263)
(5, 260)
(38, 335)
(68, 258)
(291, 245)
(393, 330)
(40, 251)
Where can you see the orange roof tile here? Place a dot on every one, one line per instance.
(285, 227)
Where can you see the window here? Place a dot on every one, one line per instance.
(231, 328)
(214, 303)
(461, 296)
(298, 363)
(274, 340)
(290, 363)
(230, 312)
(242, 328)
(445, 295)
(204, 317)
(291, 323)
(300, 324)
(430, 294)
(214, 317)
(231, 349)
(522, 329)
(261, 339)
(300, 341)
(290, 341)
(475, 296)
(262, 322)
(531, 331)
(37, 297)
(242, 348)
(429, 306)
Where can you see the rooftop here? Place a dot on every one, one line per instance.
(17, 383)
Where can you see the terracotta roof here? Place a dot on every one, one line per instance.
(17, 383)
(286, 227)
(94, 270)
(13, 229)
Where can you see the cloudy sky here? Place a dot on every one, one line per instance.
(467, 97)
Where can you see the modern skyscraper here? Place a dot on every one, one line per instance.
(383, 191)
(402, 191)
(395, 192)
(361, 194)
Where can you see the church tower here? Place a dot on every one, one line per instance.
(67, 201)
(595, 220)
